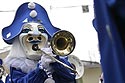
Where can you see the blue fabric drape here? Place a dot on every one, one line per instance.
(110, 26)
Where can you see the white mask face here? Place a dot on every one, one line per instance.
(33, 34)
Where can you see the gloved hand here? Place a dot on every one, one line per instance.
(46, 59)
(48, 51)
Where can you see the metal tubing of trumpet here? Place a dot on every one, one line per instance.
(60, 62)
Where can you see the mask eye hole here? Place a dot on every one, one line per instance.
(41, 28)
(26, 28)
(39, 38)
(30, 38)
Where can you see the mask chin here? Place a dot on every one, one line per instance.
(27, 45)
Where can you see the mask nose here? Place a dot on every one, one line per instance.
(34, 39)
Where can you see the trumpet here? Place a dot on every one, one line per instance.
(62, 44)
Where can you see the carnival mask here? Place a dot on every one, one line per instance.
(33, 34)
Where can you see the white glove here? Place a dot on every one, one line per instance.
(48, 51)
(46, 59)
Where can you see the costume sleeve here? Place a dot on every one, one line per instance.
(36, 76)
(62, 74)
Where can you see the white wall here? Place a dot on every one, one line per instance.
(92, 75)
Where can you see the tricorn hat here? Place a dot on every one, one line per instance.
(28, 12)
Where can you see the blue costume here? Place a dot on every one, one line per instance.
(109, 23)
(61, 75)
(30, 27)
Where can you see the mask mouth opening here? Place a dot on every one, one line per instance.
(35, 47)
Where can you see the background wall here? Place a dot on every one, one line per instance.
(92, 75)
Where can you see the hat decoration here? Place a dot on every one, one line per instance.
(31, 5)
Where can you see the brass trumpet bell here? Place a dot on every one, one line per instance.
(63, 43)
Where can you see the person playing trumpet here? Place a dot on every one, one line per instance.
(30, 34)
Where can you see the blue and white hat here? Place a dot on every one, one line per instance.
(28, 12)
